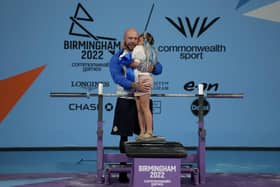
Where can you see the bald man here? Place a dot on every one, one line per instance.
(125, 117)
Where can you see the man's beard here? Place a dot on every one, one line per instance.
(130, 47)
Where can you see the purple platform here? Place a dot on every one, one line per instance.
(89, 179)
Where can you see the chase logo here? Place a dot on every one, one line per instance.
(92, 47)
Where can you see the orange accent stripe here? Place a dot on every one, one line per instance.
(12, 88)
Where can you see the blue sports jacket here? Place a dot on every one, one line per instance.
(124, 77)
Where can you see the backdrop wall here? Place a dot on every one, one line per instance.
(65, 46)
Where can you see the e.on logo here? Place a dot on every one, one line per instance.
(203, 25)
(191, 86)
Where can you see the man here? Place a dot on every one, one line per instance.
(125, 117)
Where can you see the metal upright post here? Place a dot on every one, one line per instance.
(100, 148)
(201, 138)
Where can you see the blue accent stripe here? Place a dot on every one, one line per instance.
(241, 3)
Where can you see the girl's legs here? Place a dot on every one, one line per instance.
(147, 115)
(140, 117)
(143, 106)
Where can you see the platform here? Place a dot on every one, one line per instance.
(89, 179)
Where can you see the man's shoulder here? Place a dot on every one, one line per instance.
(138, 47)
(119, 52)
(116, 55)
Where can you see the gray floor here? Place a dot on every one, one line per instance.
(77, 168)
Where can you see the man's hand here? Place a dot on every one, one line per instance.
(142, 66)
(142, 86)
(151, 68)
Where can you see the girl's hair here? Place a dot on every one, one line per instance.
(148, 37)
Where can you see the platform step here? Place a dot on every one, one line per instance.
(155, 149)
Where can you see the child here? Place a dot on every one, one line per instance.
(144, 57)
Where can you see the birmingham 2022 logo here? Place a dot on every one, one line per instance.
(91, 47)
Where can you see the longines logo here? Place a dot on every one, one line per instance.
(192, 29)
(89, 85)
(91, 49)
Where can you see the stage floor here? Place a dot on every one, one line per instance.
(77, 168)
(88, 179)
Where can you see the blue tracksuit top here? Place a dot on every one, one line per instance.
(122, 74)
